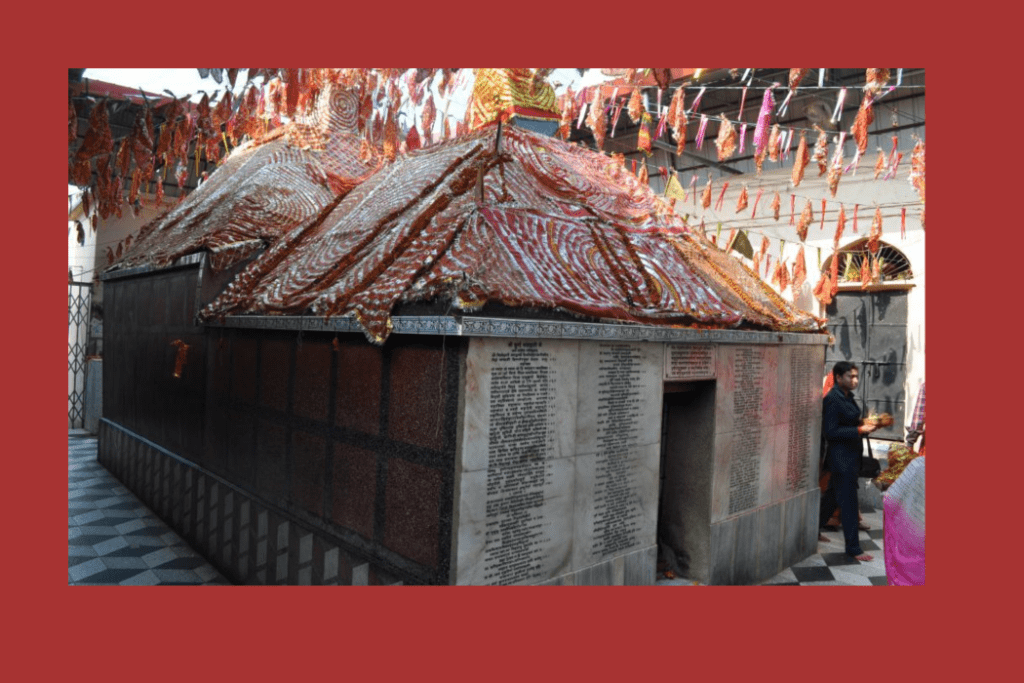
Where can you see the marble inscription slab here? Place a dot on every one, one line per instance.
(516, 478)
(519, 395)
(524, 535)
(684, 362)
(804, 418)
(748, 415)
(620, 395)
(616, 503)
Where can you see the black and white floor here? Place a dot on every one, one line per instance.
(114, 539)
(830, 566)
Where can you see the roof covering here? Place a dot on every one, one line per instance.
(508, 216)
(264, 189)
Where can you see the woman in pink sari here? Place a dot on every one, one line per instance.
(904, 527)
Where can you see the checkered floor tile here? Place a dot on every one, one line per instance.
(114, 539)
(830, 566)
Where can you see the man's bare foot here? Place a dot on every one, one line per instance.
(822, 538)
(863, 557)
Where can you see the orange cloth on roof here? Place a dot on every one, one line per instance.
(511, 92)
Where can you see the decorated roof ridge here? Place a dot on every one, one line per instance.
(528, 222)
(263, 189)
(508, 93)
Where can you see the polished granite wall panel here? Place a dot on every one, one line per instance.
(311, 391)
(753, 547)
(723, 545)
(412, 511)
(308, 453)
(141, 389)
(794, 520)
(770, 530)
(745, 552)
(275, 368)
(417, 397)
(638, 566)
(275, 408)
(812, 500)
(241, 442)
(358, 398)
(354, 488)
(243, 369)
(270, 464)
(609, 573)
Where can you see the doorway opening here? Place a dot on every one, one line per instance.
(687, 466)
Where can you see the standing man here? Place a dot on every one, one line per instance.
(842, 427)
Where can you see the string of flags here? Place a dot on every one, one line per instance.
(869, 271)
(769, 141)
(866, 270)
(675, 192)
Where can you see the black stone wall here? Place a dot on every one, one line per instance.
(352, 442)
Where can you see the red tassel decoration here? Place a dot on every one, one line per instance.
(792, 209)
(822, 215)
(775, 205)
(855, 207)
(840, 223)
(701, 129)
(806, 216)
(903, 223)
(875, 235)
(741, 203)
(721, 196)
(760, 191)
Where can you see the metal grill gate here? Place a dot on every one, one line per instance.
(79, 300)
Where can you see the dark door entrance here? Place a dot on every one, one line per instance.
(870, 329)
(687, 457)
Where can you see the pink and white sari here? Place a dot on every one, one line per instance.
(904, 527)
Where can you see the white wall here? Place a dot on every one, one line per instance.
(859, 189)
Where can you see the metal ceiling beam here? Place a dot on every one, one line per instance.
(660, 144)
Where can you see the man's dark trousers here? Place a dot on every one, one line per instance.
(842, 491)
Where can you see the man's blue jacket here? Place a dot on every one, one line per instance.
(839, 421)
